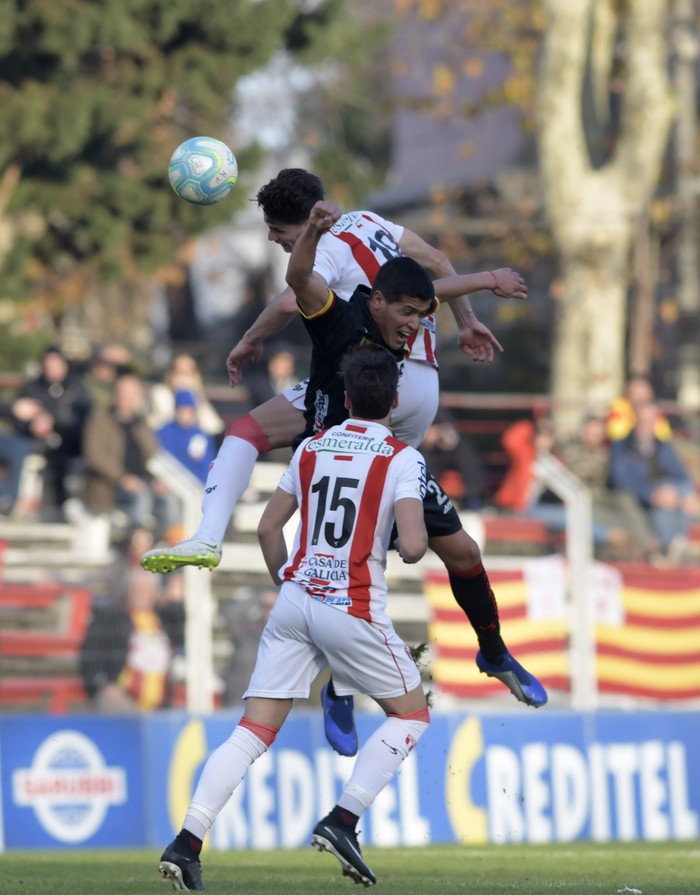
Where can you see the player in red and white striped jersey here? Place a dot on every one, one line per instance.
(350, 484)
(348, 256)
(346, 481)
(285, 202)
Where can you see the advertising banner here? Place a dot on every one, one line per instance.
(524, 777)
(70, 782)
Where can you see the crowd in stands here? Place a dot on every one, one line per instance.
(644, 498)
(96, 429)
(130, 657)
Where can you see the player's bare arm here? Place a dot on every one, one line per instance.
(277, 314)
(412, 541)
(277, 513)
(310, 288)
(504, 282)
(475, 339)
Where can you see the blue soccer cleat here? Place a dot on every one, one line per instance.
(523, 685)
(339, 722)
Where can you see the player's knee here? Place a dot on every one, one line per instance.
(248, 429)
(413, 726)
(459, 552)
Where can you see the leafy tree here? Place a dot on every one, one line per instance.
(95, 97)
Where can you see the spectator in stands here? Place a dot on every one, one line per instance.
(13, 449)
(246, 620)
(107, 363)
(277, 375)
(619, 523)
(185, 440)
(51, 409)
(182, 375)
(621, 414)
(521, 441)
(117, 445)
(650, 469)
(455, 462)
(126, 657)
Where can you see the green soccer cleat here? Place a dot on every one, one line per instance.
(187, 553)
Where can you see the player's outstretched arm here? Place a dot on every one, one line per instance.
(475, 339)
(504, 282)
(412, 541)
(310, 288)
(277, 513)
(271, 321)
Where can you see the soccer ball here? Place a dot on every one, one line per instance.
(203, 170)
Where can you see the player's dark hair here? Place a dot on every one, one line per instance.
(371, 378)
(403, 277)
(289, 197)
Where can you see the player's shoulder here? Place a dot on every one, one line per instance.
(409, 453)
(356, 222)
(402, 449)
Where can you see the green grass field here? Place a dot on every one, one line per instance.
(582, 869)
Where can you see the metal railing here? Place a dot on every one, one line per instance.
(579, 555)
(199, 601)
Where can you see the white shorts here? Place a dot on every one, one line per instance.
(419, 396)
(303, 636)
(296, 394)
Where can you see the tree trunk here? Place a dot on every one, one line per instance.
(587, 365)
(593, 210)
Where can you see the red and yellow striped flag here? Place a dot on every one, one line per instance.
(648, 646)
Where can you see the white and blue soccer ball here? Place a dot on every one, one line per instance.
(203, 170)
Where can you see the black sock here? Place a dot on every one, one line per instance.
(343, 818)
(190, 845)
(473, 594)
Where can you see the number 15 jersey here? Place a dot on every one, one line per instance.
(346, 481)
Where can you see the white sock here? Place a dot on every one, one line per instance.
(228, 478)
(224, 770)
(379, 760)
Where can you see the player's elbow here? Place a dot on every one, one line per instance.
(437, 263)
(288, 303)
(294, 282)
(413, 546)
(267, 530)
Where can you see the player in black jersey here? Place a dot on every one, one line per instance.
(388, 314)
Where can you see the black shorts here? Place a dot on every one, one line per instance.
(440, 516)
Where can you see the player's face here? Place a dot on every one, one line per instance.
(285, 235)
(397, 320)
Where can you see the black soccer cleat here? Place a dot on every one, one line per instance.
(184, 873)
(342, 842)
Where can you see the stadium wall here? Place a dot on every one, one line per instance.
(554, 776)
